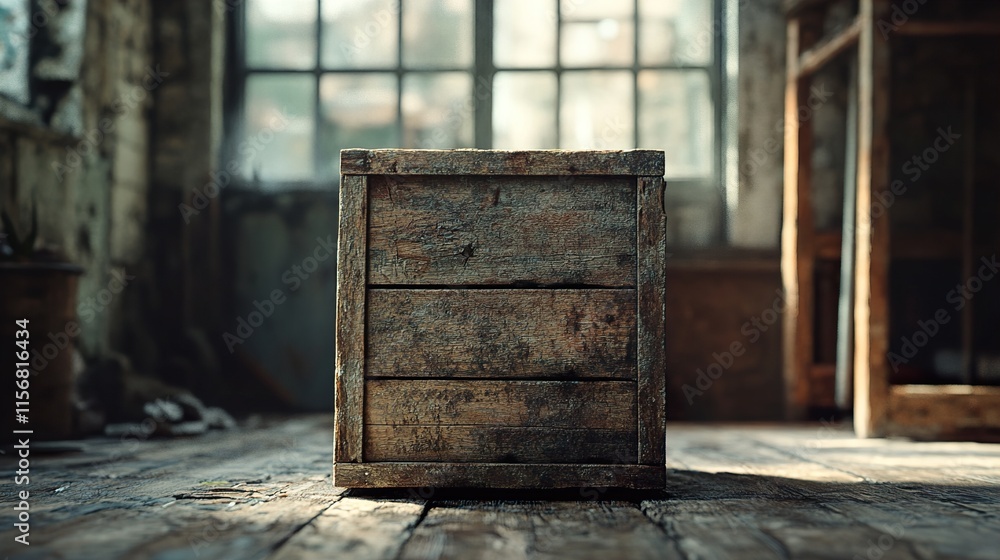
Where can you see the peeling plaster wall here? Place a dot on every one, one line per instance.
(79, 150)
(757, 220)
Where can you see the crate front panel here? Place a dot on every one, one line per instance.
(500, 421)
(487, 230)
(501, 333)
(500, 330)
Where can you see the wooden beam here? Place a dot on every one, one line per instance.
(789, 221)
(797, 252)
(947, 28)
(828, 49)
(871, 308)
(944, 411)
(794, 8)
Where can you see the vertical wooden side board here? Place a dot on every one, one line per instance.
(500, 319)
(651, 277)
(350, 337)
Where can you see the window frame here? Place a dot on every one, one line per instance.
(483, 69)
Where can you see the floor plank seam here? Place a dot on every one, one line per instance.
(675, 540)
(800, 457)
(774, 543)
(277, 546)
(413, 529)
(892, 487)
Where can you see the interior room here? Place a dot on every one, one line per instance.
(193, 296)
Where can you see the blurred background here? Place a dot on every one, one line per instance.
(185, 155)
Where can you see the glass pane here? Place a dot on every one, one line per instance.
(437, 33)
(281, 33)
(525, 33)
(600, 43)
(278, 143)
(357, 111)
(675, 115)
(596, 111)
(591, 10)
(676, 32)
(524, 111)
(360, 33)
(438, 111)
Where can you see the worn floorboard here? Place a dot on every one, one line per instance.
(264, 491)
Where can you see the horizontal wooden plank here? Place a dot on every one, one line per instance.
(559, 334)
(828, 49)
(500, 162)
(947, 28)
(498, 444)
(944, 412)
(502, 230)
(491, 475)
(542, 404)
(796, 8)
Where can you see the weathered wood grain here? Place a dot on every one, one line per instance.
(498, 162)
(497, 531)
(811, 491)
(356, 528)
(510, 530)
(944, 412)
(493, 475)
(500, 421)
(502, 230)
(350, 337)
(542, 404)
(562, 334)
(498, 444)
(651, 360)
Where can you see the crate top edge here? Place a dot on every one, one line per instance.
(638, 163)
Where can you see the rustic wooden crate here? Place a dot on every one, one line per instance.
(500, 319)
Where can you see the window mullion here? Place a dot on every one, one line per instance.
(635, 74)
(399, 75)
(318, 156)
(483, 73)
(558, 69)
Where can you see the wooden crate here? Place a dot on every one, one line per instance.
(500, 319)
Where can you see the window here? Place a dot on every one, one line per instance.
(313, 76)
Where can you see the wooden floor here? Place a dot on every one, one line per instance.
(733, 492)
